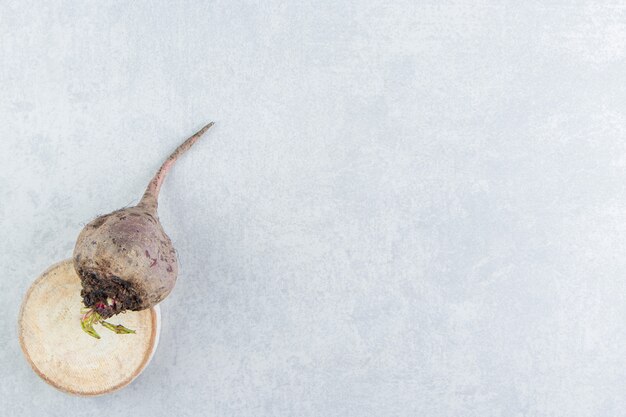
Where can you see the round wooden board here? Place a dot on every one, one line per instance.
(66, 357)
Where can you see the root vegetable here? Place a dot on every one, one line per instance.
(125, 259)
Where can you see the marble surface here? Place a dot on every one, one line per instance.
(405, 208)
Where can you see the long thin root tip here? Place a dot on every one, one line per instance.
(151, 195)
(205, 128)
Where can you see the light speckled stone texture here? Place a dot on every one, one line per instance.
(405, 208)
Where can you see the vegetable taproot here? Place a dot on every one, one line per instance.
(124, 259)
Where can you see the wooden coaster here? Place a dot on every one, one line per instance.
(66, 357)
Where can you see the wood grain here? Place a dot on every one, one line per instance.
(67, 358)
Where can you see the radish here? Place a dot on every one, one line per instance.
(124, 259)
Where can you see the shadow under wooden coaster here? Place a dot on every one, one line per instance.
(66, 357)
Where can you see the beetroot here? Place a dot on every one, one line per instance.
(124, 259)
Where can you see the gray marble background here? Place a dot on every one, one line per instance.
(406, 208)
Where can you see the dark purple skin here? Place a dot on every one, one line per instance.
(124, 259)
